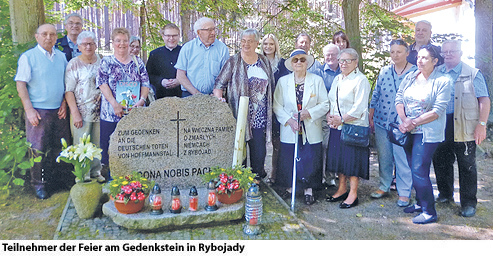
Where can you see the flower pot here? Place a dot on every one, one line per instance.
(130, 207)
(231, 199)
(86, 197)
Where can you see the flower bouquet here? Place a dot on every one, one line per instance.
(129, 192)
(230, 181)
(80, 155)
(131, 187)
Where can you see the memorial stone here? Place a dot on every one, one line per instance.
(174, 140)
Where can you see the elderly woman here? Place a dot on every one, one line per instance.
(249, 74)
(270, 48)
(135, 46)
(421, 103)
(116, 73)
(341, 40)
(348, 102)
(382, 112)
(83, 97)
(304, 93)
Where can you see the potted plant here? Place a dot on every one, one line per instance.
(86, 193)
(129, 192)
(230, 183)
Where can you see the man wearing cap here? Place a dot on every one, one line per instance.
(467, 113)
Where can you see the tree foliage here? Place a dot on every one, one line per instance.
(15, 155)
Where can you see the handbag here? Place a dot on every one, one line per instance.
(395, 135)
(353, 135)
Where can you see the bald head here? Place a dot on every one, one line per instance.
(46, 36)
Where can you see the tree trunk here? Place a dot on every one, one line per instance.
(350, 9)
(185, 24)
(484, 41)
(25, 17)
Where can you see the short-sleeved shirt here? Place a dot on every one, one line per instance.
(111, 71)
(80, 78)
(201, 63)
(480, 87)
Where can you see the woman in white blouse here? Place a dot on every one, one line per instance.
(82, 96)
(348, 103)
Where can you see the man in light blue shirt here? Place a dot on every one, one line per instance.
(40, 84)
(201, 59)
(328, 72)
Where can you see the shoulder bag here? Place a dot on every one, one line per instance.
(353, 135)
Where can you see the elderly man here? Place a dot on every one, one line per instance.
(422, 36)
(467, 113)
(40, 84)
(73, 26)
(201, 60)
(328, 72)
(303, 41)
(161, 64)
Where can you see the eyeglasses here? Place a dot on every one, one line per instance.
(135, 47)
(46, 34)
(295, 60)
(87, 44)
(212, 29)
(346, 61)
(171, 36)
(74, 24)
(449, 52)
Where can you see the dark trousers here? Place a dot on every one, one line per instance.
(443, 162)
(419, 156)
(106, 129)
(45, 140)
(258, 151)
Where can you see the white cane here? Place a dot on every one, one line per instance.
(295, 160)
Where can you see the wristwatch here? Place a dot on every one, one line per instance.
(482, 123)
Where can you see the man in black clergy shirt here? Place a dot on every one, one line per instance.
(161, 64)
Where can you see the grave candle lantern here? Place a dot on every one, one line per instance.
(175, 200)
(193, 199)
(253, 211)
(156, 200)
(211, 196)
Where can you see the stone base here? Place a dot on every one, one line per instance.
(145, 221)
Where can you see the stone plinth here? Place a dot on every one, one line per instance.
(174, 141)
(145, 221)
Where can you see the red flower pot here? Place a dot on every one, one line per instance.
(233, 198)
(129, 208)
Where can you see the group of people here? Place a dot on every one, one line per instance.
(294, 103)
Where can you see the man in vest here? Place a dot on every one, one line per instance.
(40, 84)
(467, 113)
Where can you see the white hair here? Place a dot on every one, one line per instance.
(457, 43)
(200, 22)
(72, 15)
(424, 22)
(329, 46)
(86, 34)
(250, 31)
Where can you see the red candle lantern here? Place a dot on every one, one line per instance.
(211, 196)
(156, 200)
(175, 200)
(193, 199)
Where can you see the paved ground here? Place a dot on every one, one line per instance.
(372, 219)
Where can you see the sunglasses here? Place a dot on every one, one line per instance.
(295, 60)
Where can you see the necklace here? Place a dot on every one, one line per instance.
(402, 69)
(299, 81)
